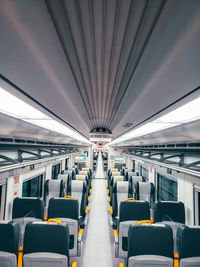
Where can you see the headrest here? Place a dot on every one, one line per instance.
(63, 208)
(132, 174)
(121, 187)
(64, 177)
(189, 245)
(41, 237)
(169, 211)
(134, 210)
(9, 233)
(54, 185)
(148, 240)
(30, 207)
(78, 186)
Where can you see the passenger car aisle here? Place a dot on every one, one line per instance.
(98, 243)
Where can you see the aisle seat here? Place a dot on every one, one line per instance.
(66, 210)
(129, 174)
(9, 239)
(53, 188)
(145, 191)
(189, 246)
(78, 190)
(130, 212)
(146, 246)
(133, 180)
(66, 179)
(46, 245)
(70, 172)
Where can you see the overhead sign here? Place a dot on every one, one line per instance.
(81, 158)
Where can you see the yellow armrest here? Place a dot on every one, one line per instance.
(115, 233)
(80, 232)
(176, 259)
(111, 210)
(20, 257)
(108, 191)
(108, 199)
(89, 199)
(86, 209)
(74, 264)
(121, 264)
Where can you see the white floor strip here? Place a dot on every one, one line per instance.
(98, 246)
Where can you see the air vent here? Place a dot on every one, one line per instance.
(128, 124)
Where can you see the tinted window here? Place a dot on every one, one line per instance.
(166, 188)
(145, 173)
(33, 187)
(55, 171)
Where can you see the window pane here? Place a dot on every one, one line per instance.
(167, 188)
(26, 189)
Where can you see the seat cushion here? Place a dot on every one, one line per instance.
(45, 259)
(8, 259)
(192, 261)
(150, 261)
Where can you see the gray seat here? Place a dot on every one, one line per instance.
(189, 246)
(53, 188)
(9, 239)
(145, 191)
(46, 244)
(133, 180)
(65, 178)
(146, 247)
(130, 213)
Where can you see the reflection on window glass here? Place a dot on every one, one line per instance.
(167, 188)
(145, 174)
(55, 171)
(33, 187)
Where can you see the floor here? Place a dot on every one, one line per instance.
(98, 246)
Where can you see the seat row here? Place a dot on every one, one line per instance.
(153, 246)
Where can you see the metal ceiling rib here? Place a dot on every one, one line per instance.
(103, 42)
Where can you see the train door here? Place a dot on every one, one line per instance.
(197, 205)
(2, 199)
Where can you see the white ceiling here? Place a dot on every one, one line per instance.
(100, 62)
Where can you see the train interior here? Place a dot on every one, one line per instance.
(99, 133)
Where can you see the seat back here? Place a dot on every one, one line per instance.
(70, 172)
(129, 174)
(134, 210)
(145, 191)
(65, 178)
(120, 193)
(169, 211)
(189, 242)
(133, 180)
(9, 239)
(63, 208)
(148, 240)
(48, 242)
(53, 188)
(31, 207)
(78, 190)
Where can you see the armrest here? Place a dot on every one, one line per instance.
(116, 236)
(74, 264)
(80, 235)
(121, 264)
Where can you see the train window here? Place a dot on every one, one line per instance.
(197, 206)
(133, 165)
(145, 173)
(66, 164)
(2, 200)
(55, 171)
(33, 187)
(166, 188)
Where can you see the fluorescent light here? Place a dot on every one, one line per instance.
(184, 114)
(15, 107)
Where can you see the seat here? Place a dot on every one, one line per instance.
(66, 210)
(66, 178)
(133, 181)
(46, 245)
(169, 211)
(120, 193)
(78, 190)
(129, 174)
(145, 191)
(146, 247)
(130, 212)
(71, 172)
(53, 188)
(189, 246)
(9, 239)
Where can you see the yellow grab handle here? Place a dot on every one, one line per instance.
(20, 257)
(54, 220)
(81, 179)
(121, 264)
(67, 196)
(130, 198)
(120, 179)
(45, 217)
(86, 209)
(74, 264)
(111, 210)
(80, 232)
(144, 221)
(115, 233)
